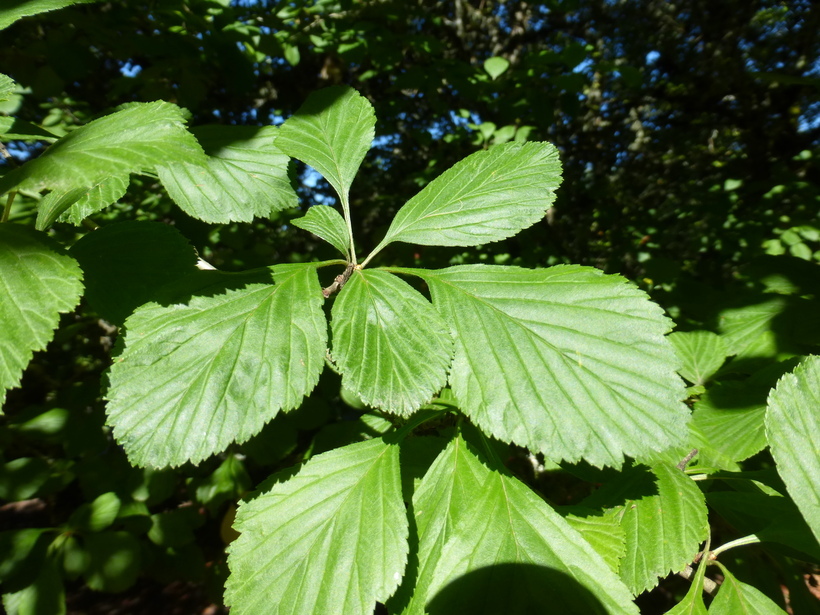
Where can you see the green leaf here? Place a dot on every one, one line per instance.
(245, 175)
(228, 482)
(23, 554)
(114, 561)
(332, 539)
(737, 597)
(78, 203)
(692, 603)
(604, 533)
(488, 196)
(565, 361)
(326, 223)
(140, 256)
(194, 378)
(134, 140)
(7, 85)
(479, 529)
(38, 282)
(15, 129)
(96, 198)
(496, 66)
(26, 8)
(702, 353)
(391, 346)
(46, 596)
(664, 517)
(332, 131)
(793, 431)
(97, 515)
(730, 417)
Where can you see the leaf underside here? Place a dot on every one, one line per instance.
(193, 378)
(332, 539)
(391, 346)
(327, 223)
(565, 361)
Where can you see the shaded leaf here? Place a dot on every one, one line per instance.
(565, 361)
(38, 282)
(106, 192)
(126, 263)
(135, 139)
(390, 345)
(194, 378)
(488, 196)
(504, 524)
(702, 353)
(332, 539)
(332, 131)
(793, 431)
(245, 175)
(326, 223)
(114, 561)
(7, 85)
(737, 597)
(46, 596)
(730, 417)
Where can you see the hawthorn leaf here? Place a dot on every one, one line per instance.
(38, 282)
(702, 353)
(141, 256)
(737, 597)
(26, 8)
(77, 204)
(332, 131)
(331, 539)
(664, 516)
(793, 431)
(135, 139)
(490, 195)
(391, 346)
(192, 378)
(15, 129)
(245, 175)
(604, 533)
(565, 361)
(502, 548)
(326, 223)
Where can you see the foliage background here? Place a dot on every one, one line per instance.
(688, 132)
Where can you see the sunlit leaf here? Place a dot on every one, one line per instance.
(245, 175)
(702, 353)
(332, 131)
(38, 282)
(391, 346)
(491, 195)
(496, 66)
(78, 203)
(793, 431)
(332, 539)
(565, 360)
(194, 377)
(7, 85)
(604, 533)
(134, 140)
(326, 223)
(664, 516)
(490, 541)
(26, 8)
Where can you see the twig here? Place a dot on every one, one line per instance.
(339, 281)
(709, 586)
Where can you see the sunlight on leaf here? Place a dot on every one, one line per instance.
(326, 223)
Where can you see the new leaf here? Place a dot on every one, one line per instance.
(391, 346)
(489, 196)
(194, 378)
